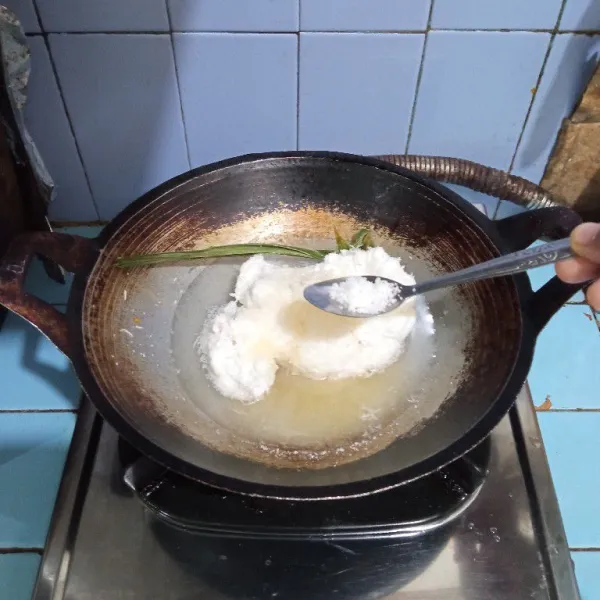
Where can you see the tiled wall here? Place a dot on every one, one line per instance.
(127, 94)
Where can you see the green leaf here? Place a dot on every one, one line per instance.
(367, 241)
(143, 260)
(341, 243)
(358, 238)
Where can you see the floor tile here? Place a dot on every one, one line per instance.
(122, 95)
(47, 123)
(233, 15)
(566, 74)
(467, 109)
(25, 12)
(39, 284)
(587, 572)
(581, 15)
(364, 15)
(103, 15)
(357, 91)
(35, 375)
(564, 369)
(573, 446)
(33, 448)
(253, 109)
(491, 14)
(89, 231)
(18, 573)
(489, 202)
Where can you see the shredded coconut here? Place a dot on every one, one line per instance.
(270, 325)
(363, 297)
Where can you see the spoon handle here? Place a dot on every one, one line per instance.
(509, 264)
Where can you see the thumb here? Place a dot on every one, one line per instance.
(585, 241)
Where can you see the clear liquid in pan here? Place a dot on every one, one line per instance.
(298, 411)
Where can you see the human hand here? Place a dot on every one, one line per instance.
(585, 241)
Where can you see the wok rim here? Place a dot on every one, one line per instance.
(498, 408)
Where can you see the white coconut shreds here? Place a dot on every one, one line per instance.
(363, 297)
(270, 325)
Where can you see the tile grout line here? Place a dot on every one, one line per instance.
(25, 550)
(553, 32)
(585, 32)
(553, 35)
(298, 75)
(567, 410)
(418, 82)
(70, 122)
(178, 83)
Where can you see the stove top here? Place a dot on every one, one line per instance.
(486, 527)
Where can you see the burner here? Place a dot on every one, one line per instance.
(422, 505)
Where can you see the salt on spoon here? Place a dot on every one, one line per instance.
(378, 295)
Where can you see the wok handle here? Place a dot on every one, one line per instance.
(520, 231)
(72, 252)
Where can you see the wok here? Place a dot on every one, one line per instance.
(129, 332)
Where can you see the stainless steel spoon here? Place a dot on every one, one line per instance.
(319, 294)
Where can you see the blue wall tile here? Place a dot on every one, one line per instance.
(238, 93)
(566, 74)
(363, 15)
(25, 12)
(35, 375)
(33, 448)
(587, 572)
(103, 15)
(573, 446)
(495, 14)
(475, 93)
(47, 123)
(17, 575)
(581, 15)
(357, 90)
(121, 93)
(563, 367)
(233, 15)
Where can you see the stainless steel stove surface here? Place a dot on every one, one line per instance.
(454, 537)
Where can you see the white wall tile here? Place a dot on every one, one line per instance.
(121, 93)
(475, 92)
(495, 14)
(238, 91)
(569, 67)
(25, 12)
(363, 15)
(357, 90)
(234, 15)
(48, 125)
(103, 15)
(581, 15)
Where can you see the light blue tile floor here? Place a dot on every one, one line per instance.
(39, 398)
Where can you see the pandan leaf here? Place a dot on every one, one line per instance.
(341, 243)
(144, 260)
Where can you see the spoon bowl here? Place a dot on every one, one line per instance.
(335, 295)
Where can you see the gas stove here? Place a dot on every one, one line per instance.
(486, 527)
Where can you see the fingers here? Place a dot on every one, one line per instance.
(585, 241)
(577, 270)
(593, 295)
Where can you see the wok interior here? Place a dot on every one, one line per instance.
(129, 315)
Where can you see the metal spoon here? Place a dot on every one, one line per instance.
(318, 294)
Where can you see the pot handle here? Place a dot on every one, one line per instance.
(521, 230)
(71, 252)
